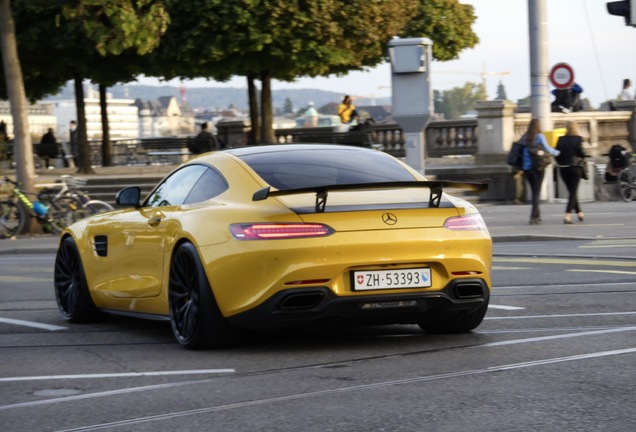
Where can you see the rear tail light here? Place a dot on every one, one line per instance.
(275, 231)
(469, 222)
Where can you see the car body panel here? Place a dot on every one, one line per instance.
(372, 230)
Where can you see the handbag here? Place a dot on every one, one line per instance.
(515, 156)
(540, 158)
(580, 162)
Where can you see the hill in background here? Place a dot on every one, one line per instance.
(215, 98)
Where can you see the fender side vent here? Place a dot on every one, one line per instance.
(100, 244)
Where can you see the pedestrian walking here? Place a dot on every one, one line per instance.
(572, 156)
(72, 138)
(535, 148)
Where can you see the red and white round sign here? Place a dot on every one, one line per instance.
(562, 76)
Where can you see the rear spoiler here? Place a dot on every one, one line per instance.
(321, 192)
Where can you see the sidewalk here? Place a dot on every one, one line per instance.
(506, 223)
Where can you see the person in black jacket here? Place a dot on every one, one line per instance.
(571, 146)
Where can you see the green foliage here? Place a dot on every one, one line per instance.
(447, 23)
(118, 25)
(501, 92)
(457, 101)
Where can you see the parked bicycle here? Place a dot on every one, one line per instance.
(626, 180)
(70, 186)
(17, 210)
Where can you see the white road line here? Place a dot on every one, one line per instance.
(562, 315)
(31, 324)
(563, 336)
(372, 386)
(492, 306)
(116, 375)
(601, 271)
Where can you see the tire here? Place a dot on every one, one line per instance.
(462, 322)
(625, 182)
(64, 211)
(71, 289)
(12, 219)
(195, 318)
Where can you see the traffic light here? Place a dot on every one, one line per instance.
(625, 8)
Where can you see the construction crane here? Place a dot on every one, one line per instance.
(484, 74)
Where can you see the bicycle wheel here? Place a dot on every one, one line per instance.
(97, 206)
(65, 211)
(12, 219)
(625, 181)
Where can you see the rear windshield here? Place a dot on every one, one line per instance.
(311, 167)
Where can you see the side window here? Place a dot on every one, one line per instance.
(174, 190)
(209, 185)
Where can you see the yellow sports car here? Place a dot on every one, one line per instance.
(262, 237)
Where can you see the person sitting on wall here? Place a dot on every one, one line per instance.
(203, 142)
(567, 100)
(48, 148)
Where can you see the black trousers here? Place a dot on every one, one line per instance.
(571, 176)
(534, 178)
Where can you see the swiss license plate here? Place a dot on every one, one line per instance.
(392, 279)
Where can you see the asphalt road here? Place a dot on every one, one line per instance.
(555, 353)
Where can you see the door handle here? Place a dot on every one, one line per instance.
(155, 220)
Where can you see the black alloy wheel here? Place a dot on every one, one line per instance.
(197, 322)
(71, 289)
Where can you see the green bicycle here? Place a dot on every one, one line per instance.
(18, 209)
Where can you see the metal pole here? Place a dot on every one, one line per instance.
(539, 70)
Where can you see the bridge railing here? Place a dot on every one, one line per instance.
(600, 130)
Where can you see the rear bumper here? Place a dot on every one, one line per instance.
(294, 307)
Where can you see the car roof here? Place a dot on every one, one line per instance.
(242, 151)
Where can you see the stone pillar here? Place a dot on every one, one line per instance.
(629, 105)
(496, 126)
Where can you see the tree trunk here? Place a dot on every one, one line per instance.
(255, 130)
(22, 145)
(84, 156)
(267, 120)
(106, 147)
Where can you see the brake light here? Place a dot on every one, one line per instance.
(469, 222)
(276, 231)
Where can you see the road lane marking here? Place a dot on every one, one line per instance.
(320, 393)
(553, 337)
(582, 261)
(31, 324)
(116, 375)
(601, 271)
(510, 268)
(561, 315)
(492, 306)
(24, 279)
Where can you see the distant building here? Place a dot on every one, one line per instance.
(379, 113)
(166, 116)
(123, 120)
(41, 117)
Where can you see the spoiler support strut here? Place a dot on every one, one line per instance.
(436, 188)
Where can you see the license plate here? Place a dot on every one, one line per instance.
(392, 279)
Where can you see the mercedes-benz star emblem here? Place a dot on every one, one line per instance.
(389, 218)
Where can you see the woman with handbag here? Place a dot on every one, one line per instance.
(536, 152)
(571, 167)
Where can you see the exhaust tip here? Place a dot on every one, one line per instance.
(468, 290)
(301, 301)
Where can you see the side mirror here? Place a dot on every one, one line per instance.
(128, 197)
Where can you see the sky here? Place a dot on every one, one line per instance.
(580, 33)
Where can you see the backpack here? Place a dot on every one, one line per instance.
(619, 156)
(515, 156)
(539, 157)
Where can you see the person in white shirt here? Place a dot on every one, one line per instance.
(626, 94)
